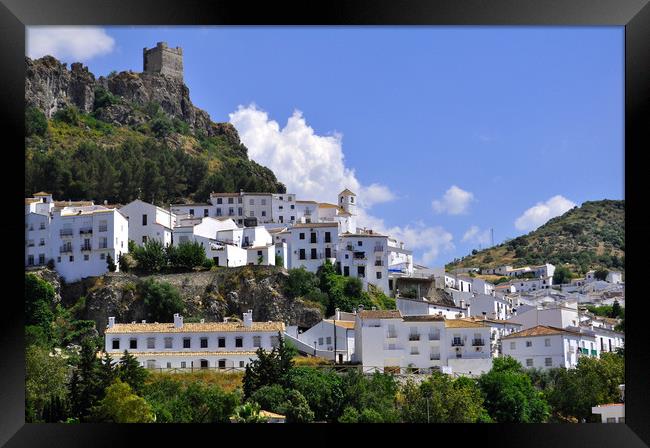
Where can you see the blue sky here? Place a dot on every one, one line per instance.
(523, 121)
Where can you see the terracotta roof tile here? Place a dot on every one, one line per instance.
(380, 314)
(461, 323)
(541, 330)
(195, 327)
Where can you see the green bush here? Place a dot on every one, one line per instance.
(68, 114)
(161, 300)
(35, 122)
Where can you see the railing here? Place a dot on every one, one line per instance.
(359, 255)
(391, 335)
(379, 263)
(103, 228)
(349, 247)
(414, 337)
(86, 247)
(86, 230)
(379, 248)
(434, 336)
(30, 244)
(457, 343)
(65, 249)
(478, 342)
(415, 352)
(103, 246)
(435, 357)
(66, 232)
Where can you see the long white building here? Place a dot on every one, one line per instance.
(149, 222)
(222, 345)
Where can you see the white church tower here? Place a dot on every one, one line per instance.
(347, 211)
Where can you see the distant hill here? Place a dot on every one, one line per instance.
(587, 237)
(128, 135)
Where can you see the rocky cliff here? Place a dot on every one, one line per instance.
(50, 86)
(210, 295)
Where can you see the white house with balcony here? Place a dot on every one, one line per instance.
(546, 347)
(532, 284)
(387, 341)
(490, 306)
(149, 222)
(78, 237)
(221, 345)
(364, 255)
(330, 336)
(283, 208)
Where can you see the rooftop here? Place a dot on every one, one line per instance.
(346, 192)
(462, 323)
(327, 205)
(182, 353)
(379, 314)
(342, 323)
(195, 327)
(424, 318)
(541, 330)
(316, 224)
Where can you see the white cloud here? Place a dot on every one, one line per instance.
(542, 212)
(475, 235)
(313, 167)
(455, 201)
(309, 164)
(79, 43)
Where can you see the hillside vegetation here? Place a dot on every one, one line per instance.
(587, 237)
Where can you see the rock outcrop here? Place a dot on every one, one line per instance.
(50, 86)
(210, 295)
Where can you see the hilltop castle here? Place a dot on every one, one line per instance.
(164, 60)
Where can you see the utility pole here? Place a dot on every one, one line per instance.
(335, 313)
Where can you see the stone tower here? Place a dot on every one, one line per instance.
(164, 60)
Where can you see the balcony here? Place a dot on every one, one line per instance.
(379, 248)
(359, 255)
(349, 247)
(103, 246)
(392, 335)
(434, 357)
(457, 343)
(379, 263)
(478, 342)
(103, 228)
(86, 230)
(66, 233)
(434, 336)
(594, 353)
(414, 337)
(30, 244)
(42, 227)
(65, 249)
(86, 247)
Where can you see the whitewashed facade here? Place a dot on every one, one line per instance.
(149, 222)
(312, 244)
(222, 345)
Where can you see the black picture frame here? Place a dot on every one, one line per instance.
(634, 15)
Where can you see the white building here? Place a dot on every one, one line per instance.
(532, 284)
(222, 345)
(498, 329)
(615, 277)
(78, 237)
(327, 337)
(547, 347)
(365, 256)
(612, 412)
(149, 222)
(419, 307)
(312, 244)
(387, 341)
(283, 208)
(490, 306)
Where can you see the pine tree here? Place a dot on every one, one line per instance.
(131, 372)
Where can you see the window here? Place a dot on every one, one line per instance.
(313, 237)
(257, 341)
(218, 211)
(378, 275)
(41, 242)
(151, 342)
(302, 254)
(239, 342)
(529, 343)
(231, 211)
(328, 237)
(168, 342)
(144, 239)
(86, 257)
(240, 211)
(240, 200)
(513, 345)
(351, 200)
(328, 340)
(359, 243)
(204, 342)
(251, 202)
(187, 342)
(252, 213)
(548, 362)
(263, 201)
(328, 252)
(133, 343)
(547, 342)
(529, 362)
(58, 259)
(103, 226)
(241, 364)
(221, 342)
(144, 220)
(293, 207)
(219, 201)
(611, 419)
(346, 271)
(231, 201)
(102, 256)
(30, 260)
(361, 271)
(275, 341)
(183, 364)
(302, 236)
(191, 212)
(169, 365)
(320, 341)
(205, 212)
(71, 257)
(103, 242)
(116, 344)
(293, 218)
(314, 255)
(414, 350)
(222, 363)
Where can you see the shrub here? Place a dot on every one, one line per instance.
(35, 122)
(103, 98)
(68, 114)
(186, 255)
(161, 300)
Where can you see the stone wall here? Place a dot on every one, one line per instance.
(164, 60)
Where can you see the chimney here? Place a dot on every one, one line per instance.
(248, 319)
(484, 315)
(202, 321)
(462, 303)
(360, 308)
(111, 322)
(105, 202)
(374, 308)
(144, 321)
(338, 314)
(178, 321)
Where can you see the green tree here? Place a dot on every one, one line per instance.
(248, 413)
(187, 255)
(35, 122)
(131, 372)
(270, 367)
(509, 394)
(279, 261)
(121, 405)
(45, 379)
(68, 114)
(110, 263)
(151, 257)
(86, 387)
(562, 275)
(321, 388)
(377, 392)
(616, 309)
(39, 296)
(161, 300)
